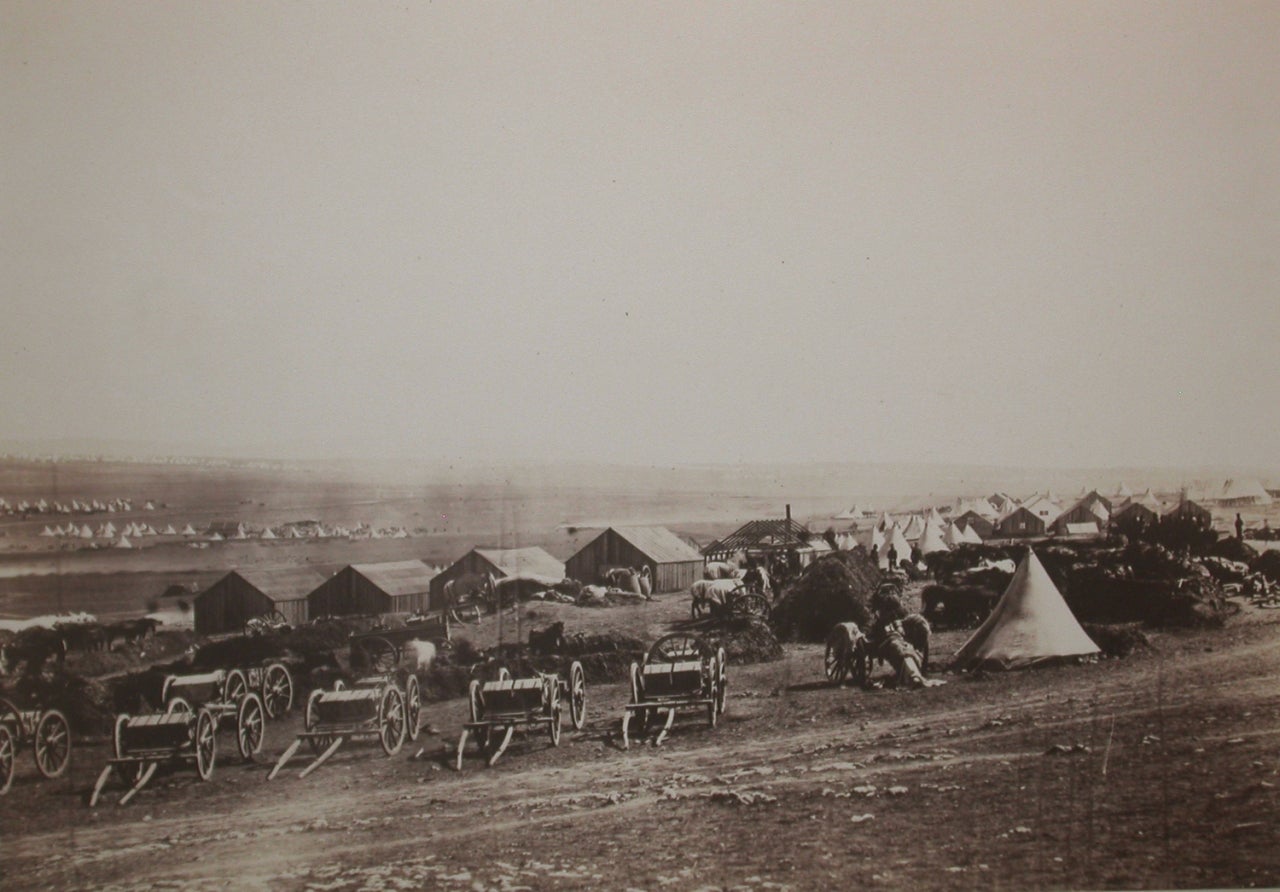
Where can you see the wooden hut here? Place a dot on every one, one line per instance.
(243, 594)
(980, 524)
(673, 564)
(1021, 522)
(391, 587)
(501, 562)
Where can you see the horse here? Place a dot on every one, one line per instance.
(721, 570)
(83, 636)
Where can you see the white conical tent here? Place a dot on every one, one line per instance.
(884, 523)
(216, 537)
(1031, 624)
(954, 535)
(85, 532)
(46, 532)
(895, 540)
(267, 534)
(915, 528)
(931, 539)
(970, 535)
(124, 543)
(170, 531)
(188, 530)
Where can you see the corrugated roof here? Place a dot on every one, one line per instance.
(398, 578)
(659, 543)
(523, 561)
(291, 584)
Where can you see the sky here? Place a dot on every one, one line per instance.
(1014, 233)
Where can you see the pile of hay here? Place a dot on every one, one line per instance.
(834, 589)
(1117, 640)
(745, 640)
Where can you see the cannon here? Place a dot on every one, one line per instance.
(143, 743)
(846, 654)
(680, 671)
(385, 706)
(45, 731)
(504, 705)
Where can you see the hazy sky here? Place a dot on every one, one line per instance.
(661, 232)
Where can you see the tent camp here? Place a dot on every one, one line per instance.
(1031, 624)
(895, 540)
(931, 539)
(1243, 492)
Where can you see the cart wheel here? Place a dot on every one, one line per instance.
(553, 727)
(836, 661)
(640, 717)
(277, 690)
(250, 722)
(475, 699)
(577, 695)
(722, 679)
(383, 656)
(713, 713)
(678, 646)
(177, 706)
(206, 743)
(391, 722)
(234, 687)
(504, 674)
(753, 605)
(52, 744)
(859, 663)
(128, 772)
(413, 707)
(7, 754)
(164, 689)
(310, 719)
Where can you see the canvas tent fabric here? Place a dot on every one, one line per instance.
(931, 540)
(1244, 492)
(895, 540)
(1031, 624)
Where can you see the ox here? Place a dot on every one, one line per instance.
(721, 570)
(131, 631)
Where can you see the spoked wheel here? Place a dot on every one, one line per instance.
(475, 700)
(310, 718)
(639, 717)
(553, 727)
(8, 754)
(412, 707)
(128, 772)
(382, 655)
(722, 679)
(391, 722)
(577, 696)
(250, 726)
(234, 687)
(277, 690)
(836, 662)
(859, 661)
(713, 712)
(206, 743)
(752, 605)
(52, 744)
(177, 705)
(679, 646)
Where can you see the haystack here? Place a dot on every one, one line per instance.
(834, 589)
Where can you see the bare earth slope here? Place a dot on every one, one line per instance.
(1168, 781)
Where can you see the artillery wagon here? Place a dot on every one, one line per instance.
(680, 672)
(46, 731)
(504, 705)
(903, 644)
(385, 705)
(178, 736)
(846, 654)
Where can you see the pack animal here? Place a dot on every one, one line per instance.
(721, 570)
(713, 594)
(83, 636)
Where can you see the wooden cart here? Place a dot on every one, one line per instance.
(505, 705)
(680, 672)
(45, 731)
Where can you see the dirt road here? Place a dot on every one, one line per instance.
(1156, 771)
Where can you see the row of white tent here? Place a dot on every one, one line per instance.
(140, 530)
(108, 531)
(75, 506)
(928, 532)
